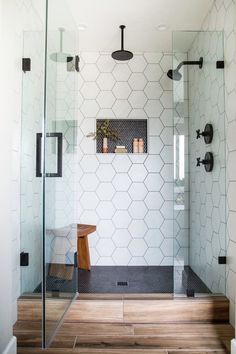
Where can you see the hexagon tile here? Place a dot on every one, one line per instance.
(129, 196)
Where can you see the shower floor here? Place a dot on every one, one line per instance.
(128, 279)
(140, 279)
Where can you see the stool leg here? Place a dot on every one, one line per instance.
(83, 253)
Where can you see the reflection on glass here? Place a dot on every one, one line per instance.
(60, 270)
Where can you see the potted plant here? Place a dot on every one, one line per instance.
(105, 131)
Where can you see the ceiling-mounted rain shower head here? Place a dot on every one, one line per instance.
(122, 54)
(176, 75)
(61, 57)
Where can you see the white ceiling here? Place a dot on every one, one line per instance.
(103, 17)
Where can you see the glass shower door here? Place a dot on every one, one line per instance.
(59, 146)
(31, 199)
(199, 193)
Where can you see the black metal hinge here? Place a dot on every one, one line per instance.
(220, 64)
(24, 259)
(222, 260)
(26, 64)
(73, 63)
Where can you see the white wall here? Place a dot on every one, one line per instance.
(5, 154)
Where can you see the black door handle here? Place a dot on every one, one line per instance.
(59, 137)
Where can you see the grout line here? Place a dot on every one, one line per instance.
(75, 341)
(123, 307)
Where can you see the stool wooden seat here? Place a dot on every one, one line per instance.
(83, 256)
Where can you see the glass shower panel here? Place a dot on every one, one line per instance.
(30, 185)
(60, 273)
(199, 196)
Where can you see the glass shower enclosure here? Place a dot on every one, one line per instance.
(48, 167)
(199, 164)
(48, 147)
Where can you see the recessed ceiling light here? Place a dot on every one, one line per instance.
(82, 27)
(161, 27)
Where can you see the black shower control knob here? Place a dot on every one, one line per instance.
(207, 133)
(207, 162)
(198, 161)
(203, 162)
(198, 133)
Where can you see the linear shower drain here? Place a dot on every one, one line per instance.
(122, 283)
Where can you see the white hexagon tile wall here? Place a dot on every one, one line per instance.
(128, 197)
(207, 190)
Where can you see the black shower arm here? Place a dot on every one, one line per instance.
(188, 62)
(122, 27)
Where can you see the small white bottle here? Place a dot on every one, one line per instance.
(141, 146)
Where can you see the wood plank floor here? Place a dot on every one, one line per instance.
(144, 326)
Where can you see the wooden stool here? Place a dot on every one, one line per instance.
(83, 256)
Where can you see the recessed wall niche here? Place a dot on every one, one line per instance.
(127, 130)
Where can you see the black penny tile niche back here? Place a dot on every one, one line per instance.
(127, 130)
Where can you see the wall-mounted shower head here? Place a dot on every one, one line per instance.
(122, 54)
(175, 75)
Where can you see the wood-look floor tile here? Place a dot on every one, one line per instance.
(167, 342)
(95, 328)
(60, 341)
(126, 326)
(198, 352)
(177, 310)
(195, 329)
(31, 310)
(90, 351)
(29, 340)
(92, 311)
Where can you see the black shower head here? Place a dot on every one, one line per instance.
(122, 54)
(175, 74)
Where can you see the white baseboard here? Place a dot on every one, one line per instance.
(11, 347)
(233, 346)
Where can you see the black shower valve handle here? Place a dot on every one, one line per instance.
(207, 162)
(203, 162)
(199, 133)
